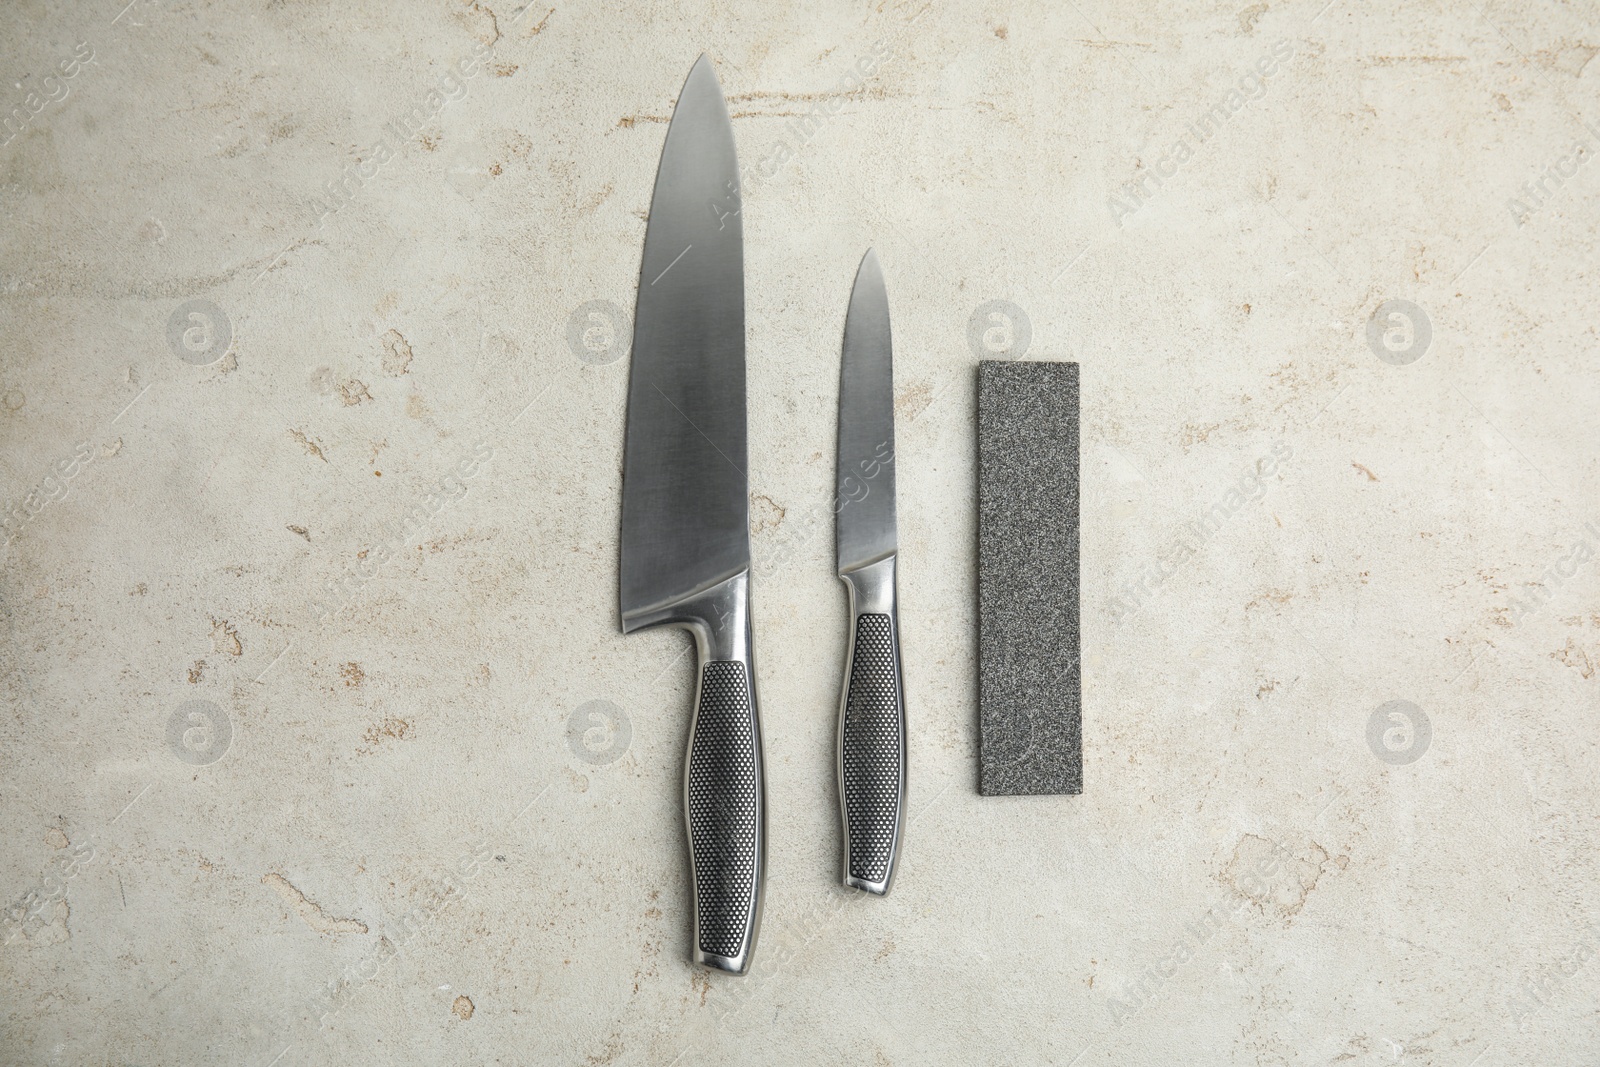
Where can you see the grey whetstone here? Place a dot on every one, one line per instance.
(1030, 701)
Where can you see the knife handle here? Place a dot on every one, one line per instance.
(872, 732)
(724, 789)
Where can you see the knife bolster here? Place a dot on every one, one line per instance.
(871, 586)
(718, 616)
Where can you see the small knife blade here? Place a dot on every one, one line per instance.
(865, 477)
(872, 719)
(685, 542)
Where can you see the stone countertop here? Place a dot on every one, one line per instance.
(320, 740)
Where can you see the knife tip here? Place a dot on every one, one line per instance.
(704, 67)
(870, 268)
(702, 78)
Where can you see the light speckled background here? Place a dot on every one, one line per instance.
(407, 853)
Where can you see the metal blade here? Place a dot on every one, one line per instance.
(685, 505)
(866, 514)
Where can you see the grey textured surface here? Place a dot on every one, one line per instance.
(1030, 696)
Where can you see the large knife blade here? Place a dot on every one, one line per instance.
(685, 506)
(872, 714)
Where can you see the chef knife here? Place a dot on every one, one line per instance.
(872, 714)
(685, 506)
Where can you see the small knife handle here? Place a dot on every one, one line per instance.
(872, 732)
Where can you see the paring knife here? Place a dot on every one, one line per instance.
(872, 712)
(685, 506)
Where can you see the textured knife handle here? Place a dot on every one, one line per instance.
(723, 803)
(872, 754)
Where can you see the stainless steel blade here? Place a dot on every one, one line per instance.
(865, 502)
(685, 504)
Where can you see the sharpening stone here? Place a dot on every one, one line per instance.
(1030, 698)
